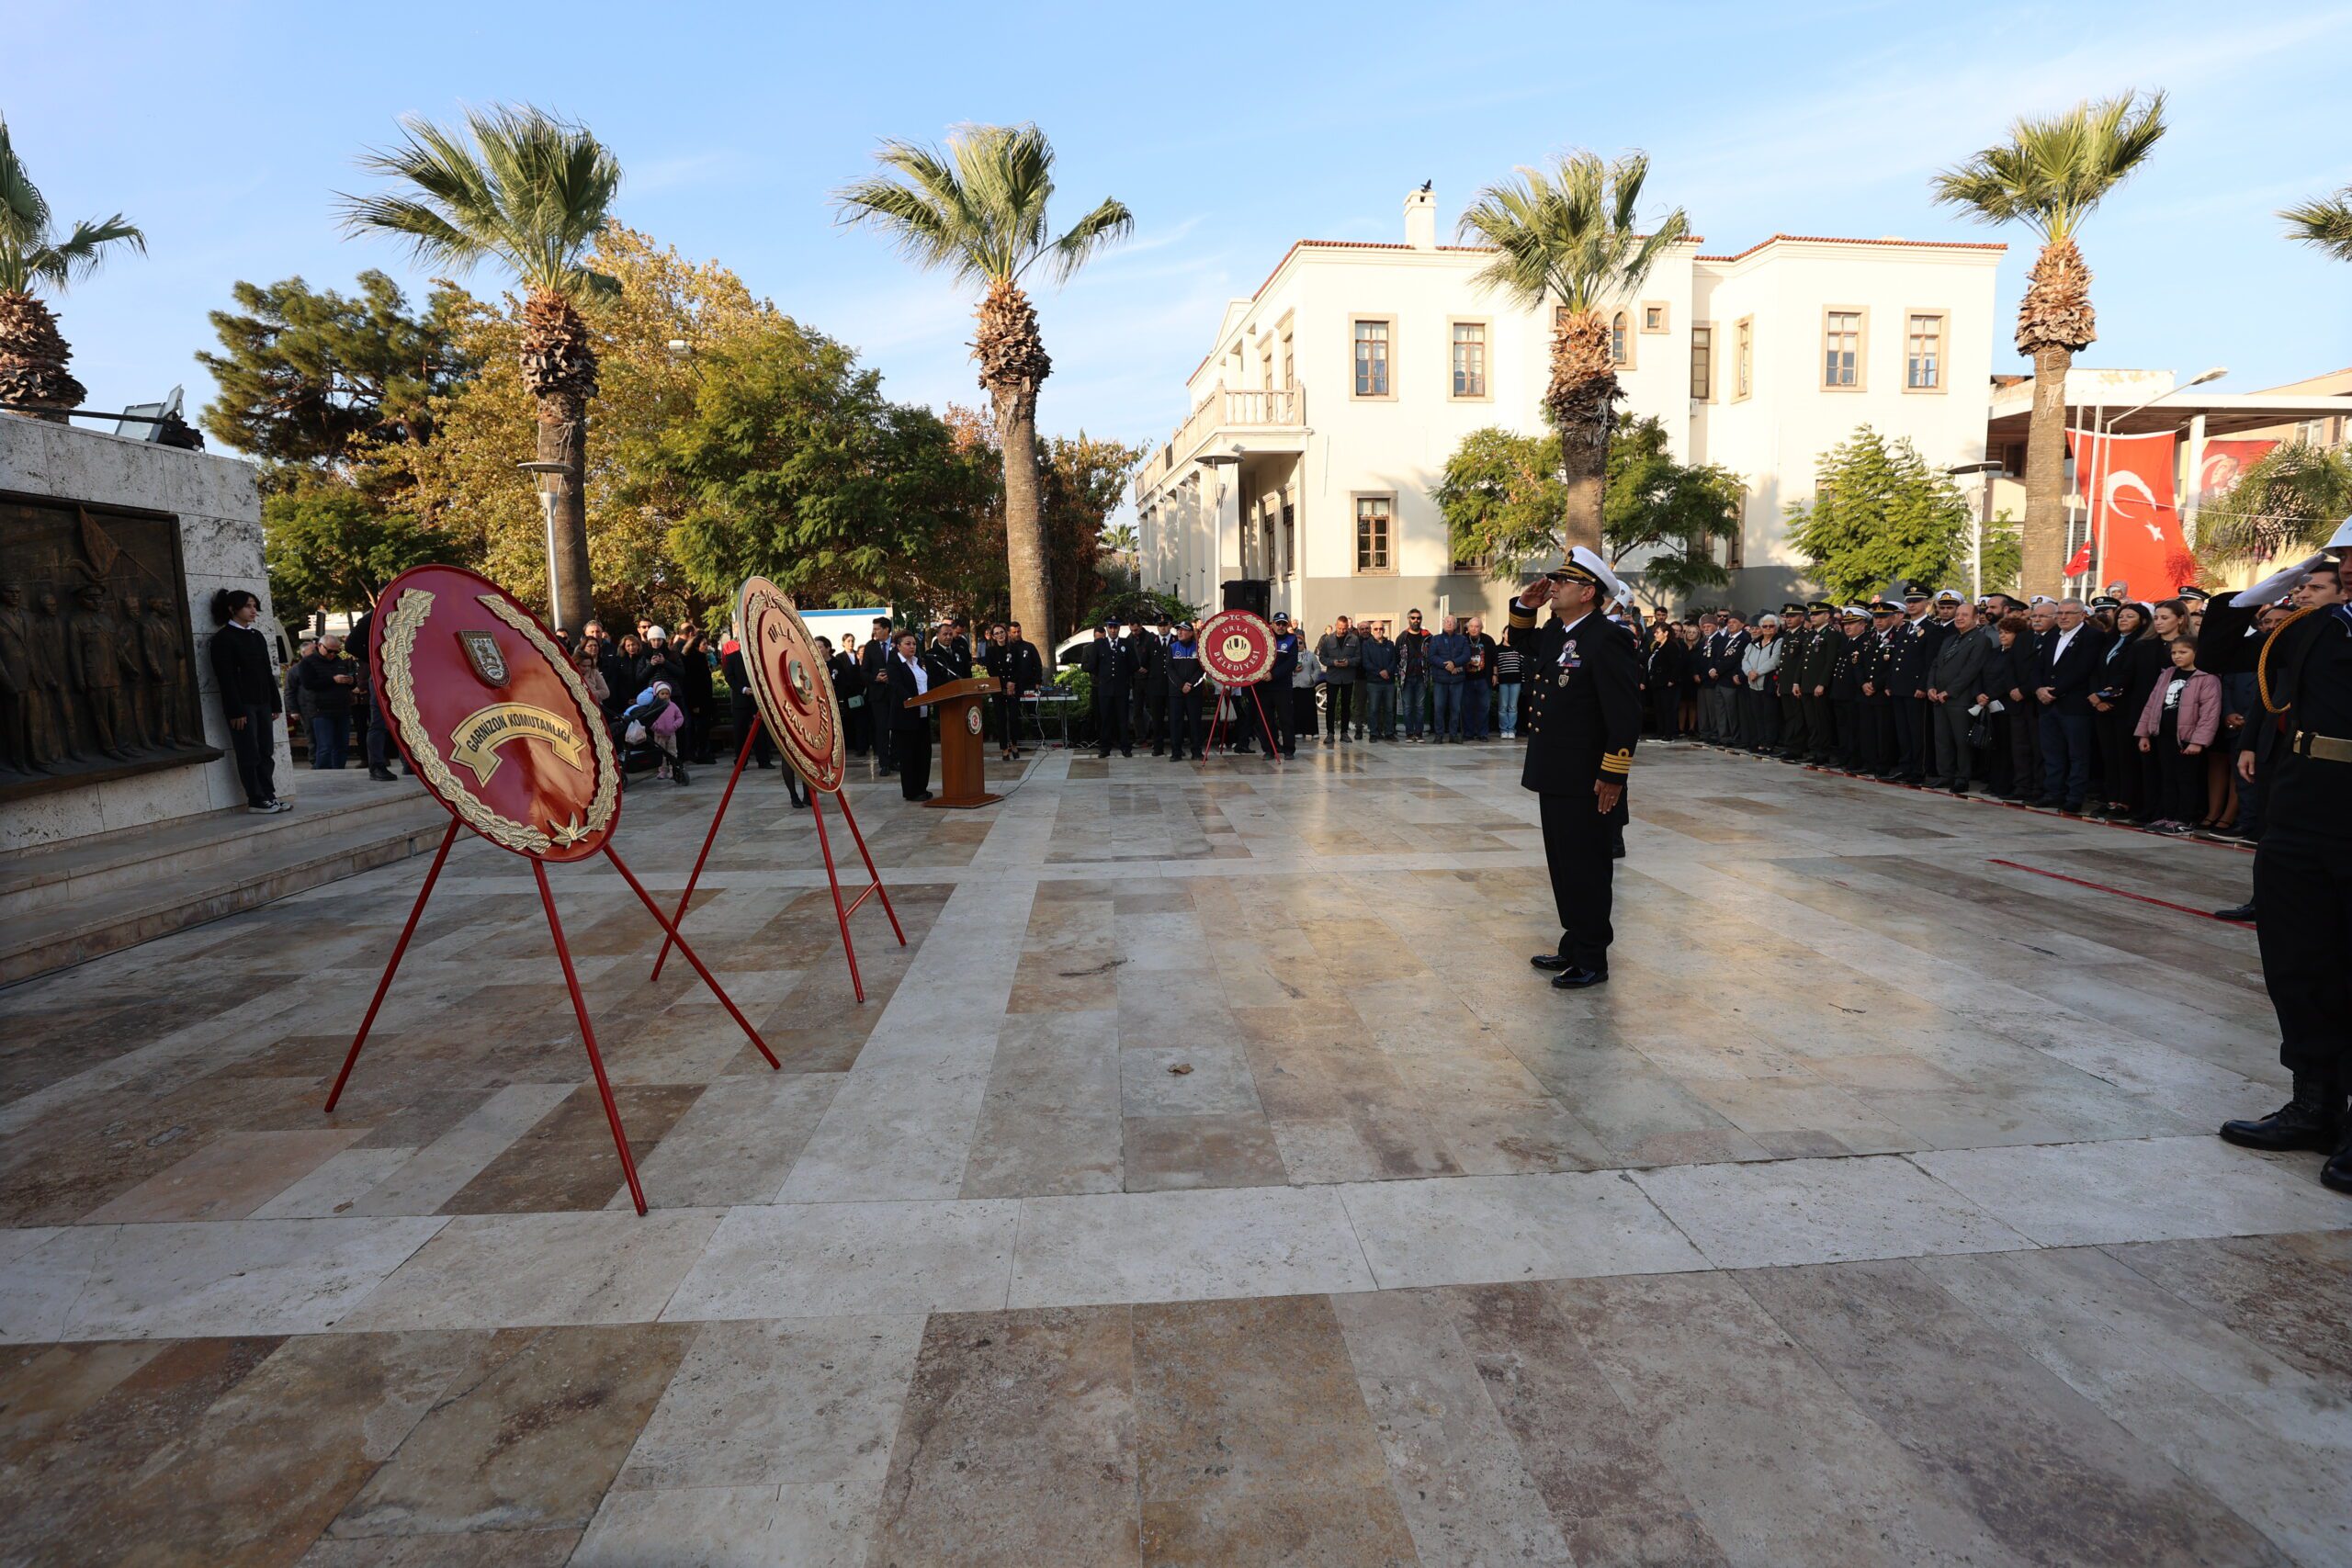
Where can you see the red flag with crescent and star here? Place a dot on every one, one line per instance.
(2135, 521)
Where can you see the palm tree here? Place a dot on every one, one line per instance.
(1566, 237)
(2324, 221)
(2288, 500)
(532, 191)
(977, 207)
(2049, 175)
(33, 358)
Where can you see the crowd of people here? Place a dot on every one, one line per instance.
(2095, 708)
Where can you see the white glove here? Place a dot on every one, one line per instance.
(2280, 583)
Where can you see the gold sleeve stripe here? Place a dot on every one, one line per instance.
(1617, 762)
(1521, 618)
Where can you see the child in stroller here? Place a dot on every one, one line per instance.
(649, 735)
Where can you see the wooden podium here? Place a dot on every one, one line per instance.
(962, 770)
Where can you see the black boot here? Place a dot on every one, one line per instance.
(2242, 912)
(2313, 1119)
(2337, 1171)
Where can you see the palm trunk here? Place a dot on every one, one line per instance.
(2043, 539)
(1014, 365)
(1024, 522)
(563, 439)
(1581, 399)
(33, 359)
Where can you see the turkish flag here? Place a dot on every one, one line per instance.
(2081, 562)
(2134, 523)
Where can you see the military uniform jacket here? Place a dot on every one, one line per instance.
(2310, 674)
(1850, 667)
(1581, 704)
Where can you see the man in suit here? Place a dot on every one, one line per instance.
(874, 670)
(949, 656)
(910, 677)
(1148, 692)
(1955, 680)
(1112, 668)
(1734, 638)
(2066, 669)
(1582, 709)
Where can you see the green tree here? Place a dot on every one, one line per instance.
(331, 547)
(1503, 499)
(533, 192)
(977, 207)
(2049, 175)
(2288, 500)
(790, 463)
(33, 358)
(1568, 241)
(1085, 478)
(312, 376)
(1881, 513)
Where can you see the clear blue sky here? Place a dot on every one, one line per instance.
(1230, 132)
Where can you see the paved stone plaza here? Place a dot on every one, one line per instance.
(1210, 1181)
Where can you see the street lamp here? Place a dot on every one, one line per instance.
(1984, 523)
(547, 474)
(2106, 427)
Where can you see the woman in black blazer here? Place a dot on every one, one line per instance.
(910, 727)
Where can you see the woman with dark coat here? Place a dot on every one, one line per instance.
(1665, 663)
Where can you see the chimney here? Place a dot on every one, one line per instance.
(1420, 217)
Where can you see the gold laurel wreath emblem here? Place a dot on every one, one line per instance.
(401, 630)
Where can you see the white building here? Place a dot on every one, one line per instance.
(1331, 397)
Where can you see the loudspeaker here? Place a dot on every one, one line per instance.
(1255, 595)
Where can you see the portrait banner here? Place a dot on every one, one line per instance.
(791, 685)
(1236, 648)
(481, 701)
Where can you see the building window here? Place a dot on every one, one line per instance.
(1617, 346)
(1469, 359)
(1841, 349)
(1266, 366)
(1703, 364)
(1923, 353)
(1743, 357)
(1371, 359)
(1653, 317)
(1374, 516)
(1466, 564)
(1289, 529)
(1290, 378)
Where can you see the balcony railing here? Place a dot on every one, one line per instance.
(1256, 408)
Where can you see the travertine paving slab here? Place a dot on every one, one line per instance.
(1820, 1210)
(2150, 1190)
(1470, 1230)
(824, 1259)
(1131, 1247)
(512, 1270)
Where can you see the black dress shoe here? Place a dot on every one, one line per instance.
(382, 775)
(1576, 979)
(2337, 1171)
(1552, 960)
(2313, 1119)
(2243, 912)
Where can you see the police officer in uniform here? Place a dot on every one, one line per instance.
(1582, 709)
(1274, 690)
(2304, 862)
(1108, 661)
(1880, 757)
(1796, 638)
(1822, 649)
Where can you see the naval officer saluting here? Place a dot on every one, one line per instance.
(1583, 696)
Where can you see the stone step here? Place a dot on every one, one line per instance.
(67, 904)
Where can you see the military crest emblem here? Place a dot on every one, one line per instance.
(483, 652)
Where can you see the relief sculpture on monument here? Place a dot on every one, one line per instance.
(96, 680)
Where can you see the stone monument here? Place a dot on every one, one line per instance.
(110, 552)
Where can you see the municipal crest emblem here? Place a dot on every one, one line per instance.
(483, 652)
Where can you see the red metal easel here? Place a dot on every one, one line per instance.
(817, 808)
(1265, 727)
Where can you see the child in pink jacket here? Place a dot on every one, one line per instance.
(2183, 717)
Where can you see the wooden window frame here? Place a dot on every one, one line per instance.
(1633, 337)
(1283, 328)
(1714, 355)
(1486, 359)
(1743, 359)
(1665, 317)
(1366, 318)
(1356, 498)
(1943, 352)
(1861, 315)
